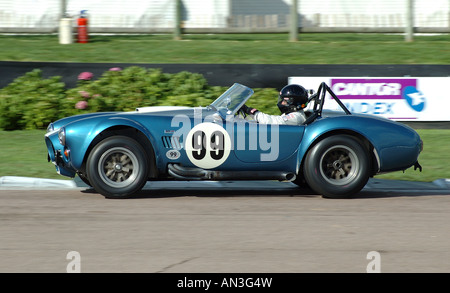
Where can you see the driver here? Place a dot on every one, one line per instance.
(291, 102)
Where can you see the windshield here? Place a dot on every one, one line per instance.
(232, 100)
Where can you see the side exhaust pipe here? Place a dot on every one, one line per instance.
(183, 173)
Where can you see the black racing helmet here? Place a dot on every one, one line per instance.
(296, 97)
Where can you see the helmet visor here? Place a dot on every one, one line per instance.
(286, 101)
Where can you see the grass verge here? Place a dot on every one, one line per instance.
(328, 48)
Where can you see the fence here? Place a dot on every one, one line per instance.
(228, 16)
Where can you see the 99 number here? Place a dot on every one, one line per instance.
(208, 145)
(216, 145)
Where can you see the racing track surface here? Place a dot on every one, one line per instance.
(229, 227)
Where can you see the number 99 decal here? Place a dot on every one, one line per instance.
(207, 145)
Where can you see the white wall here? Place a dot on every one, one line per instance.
(216, 13)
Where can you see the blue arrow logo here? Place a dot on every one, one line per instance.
(414, 98)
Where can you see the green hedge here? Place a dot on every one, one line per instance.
(32, 102)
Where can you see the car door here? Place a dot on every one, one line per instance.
(259, 143)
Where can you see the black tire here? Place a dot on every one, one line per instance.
(300, 181)
(337, 167)
(117, 167)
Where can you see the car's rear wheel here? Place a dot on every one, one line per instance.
(337, 166)
(117, 167)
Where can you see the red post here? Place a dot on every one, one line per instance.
(82, 22)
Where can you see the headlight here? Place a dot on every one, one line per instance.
(62, 136)
(50, 127)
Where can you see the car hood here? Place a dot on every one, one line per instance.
(149, 111)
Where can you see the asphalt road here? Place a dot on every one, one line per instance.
(229, 227)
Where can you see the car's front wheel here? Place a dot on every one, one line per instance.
(337, 166)
(117, 167)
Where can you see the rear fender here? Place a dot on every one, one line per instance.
(316, 132)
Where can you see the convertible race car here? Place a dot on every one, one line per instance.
(333, 152)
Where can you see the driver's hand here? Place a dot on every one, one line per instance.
(249, 111)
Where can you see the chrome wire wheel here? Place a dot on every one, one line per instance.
(339, 165)
(118, 167)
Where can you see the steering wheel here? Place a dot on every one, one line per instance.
(240, 112)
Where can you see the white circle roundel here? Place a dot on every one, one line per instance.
(207, 145)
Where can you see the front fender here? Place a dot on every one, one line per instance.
(81, 135)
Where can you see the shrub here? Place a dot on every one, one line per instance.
(30, 101)
(265, 100)
(127, 89)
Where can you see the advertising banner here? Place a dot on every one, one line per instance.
(396, 98)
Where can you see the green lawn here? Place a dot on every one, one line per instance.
(233, 48)
(23, 153)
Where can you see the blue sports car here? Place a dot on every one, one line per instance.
(333, 152)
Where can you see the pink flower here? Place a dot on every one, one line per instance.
(81, 105)
(85, 75)
(84, 94)
(115, 69)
